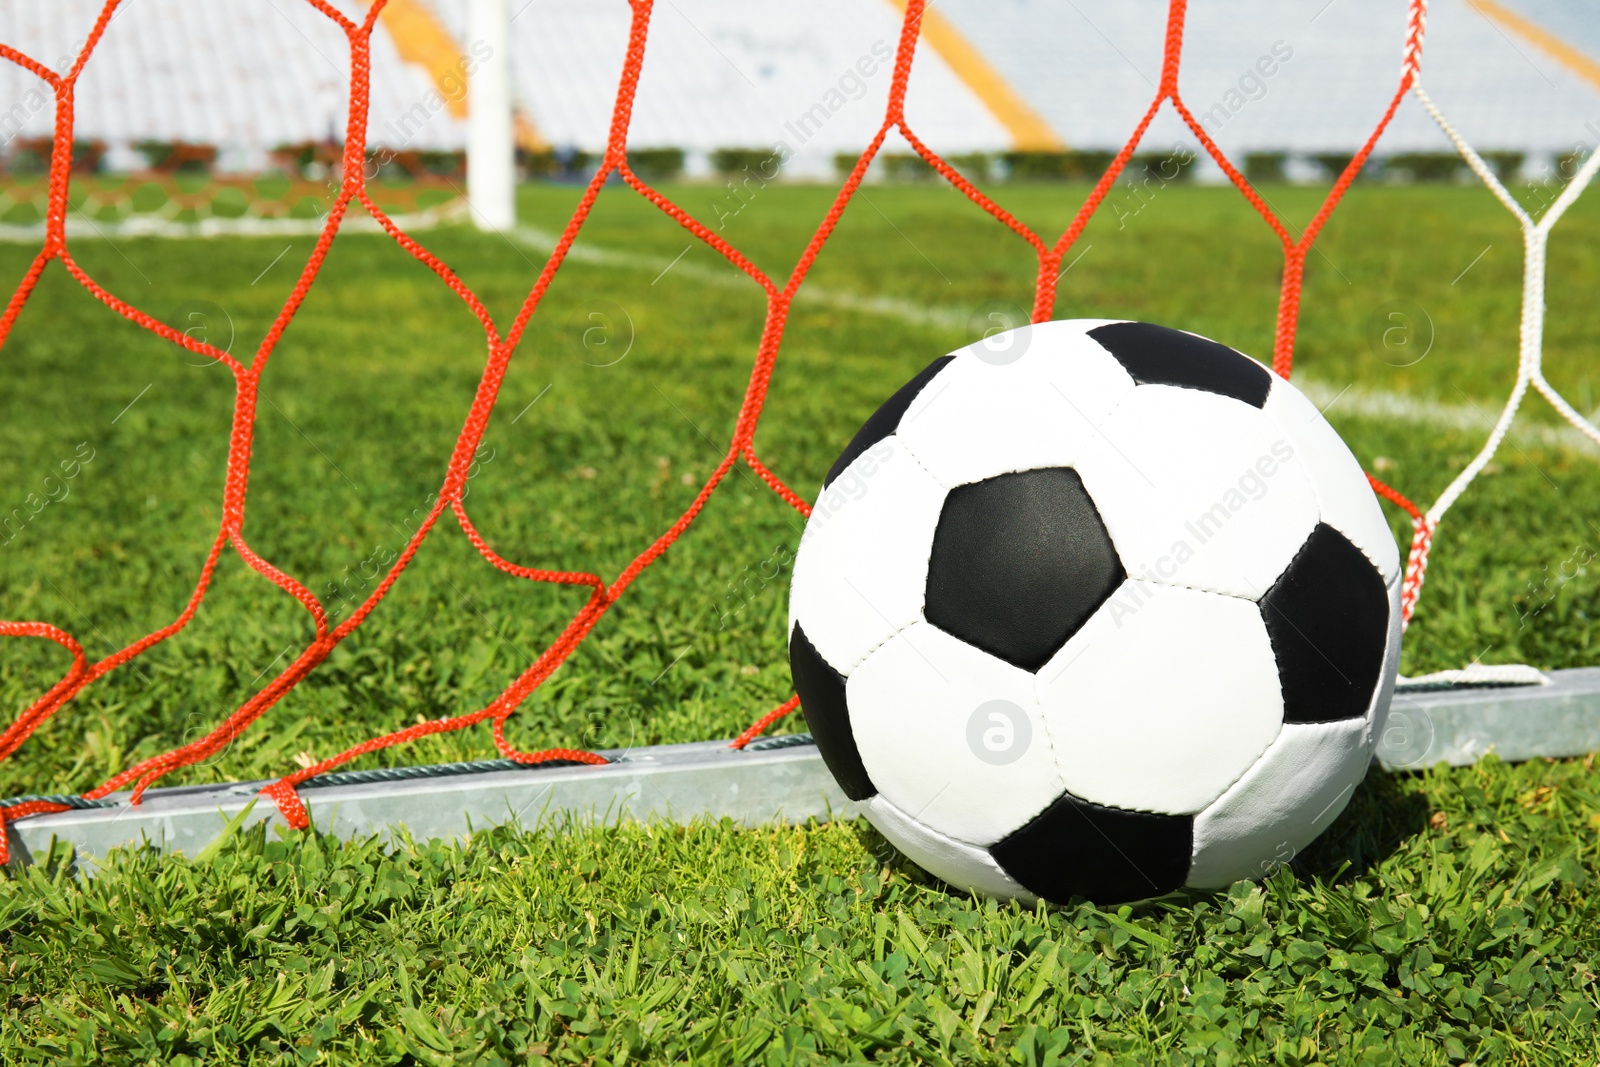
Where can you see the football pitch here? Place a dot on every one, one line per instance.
(1445, 917)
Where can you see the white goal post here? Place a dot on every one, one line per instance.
(491, 143)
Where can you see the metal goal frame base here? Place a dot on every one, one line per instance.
(771, 779)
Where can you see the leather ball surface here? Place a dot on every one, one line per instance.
(1096, 608)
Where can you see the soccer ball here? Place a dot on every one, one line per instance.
(1096, 608)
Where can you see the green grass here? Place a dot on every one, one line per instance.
(1391, 938)
(1446, 917)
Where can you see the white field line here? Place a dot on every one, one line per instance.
(1357, 401)
(356, 221)
(727, 277)
(1395, 407)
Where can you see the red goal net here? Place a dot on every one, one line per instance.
(501, 342)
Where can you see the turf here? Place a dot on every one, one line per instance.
(1447, 917)
(1470, 937)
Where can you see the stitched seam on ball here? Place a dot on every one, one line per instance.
(1278, 677)
(1099, 423)
(1282, 729)
(912, 452)
(1098, 426)
(1280, 424)
(901, 443)
(1049, 735)
(1165, 584)
(1038, 708)
(927, 564)
(1240, 776)
(1387, 581)
(868, 654)
(1208, 804)
(1399, 565)
(982, 850)
(1391, 646)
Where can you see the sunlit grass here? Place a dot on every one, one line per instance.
(1469, 939)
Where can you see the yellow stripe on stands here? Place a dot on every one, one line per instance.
(1027, 127)
(422, 41)
(1542, 39)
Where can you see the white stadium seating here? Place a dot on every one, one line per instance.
(722, 73)
(245, 75)
(248, 75)
(1091, 70)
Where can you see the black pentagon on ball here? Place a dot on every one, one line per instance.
(1327, 616)
(1078, 849)
(822, 700)
(1157, 355)
(1019, 562)
(886, 419)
